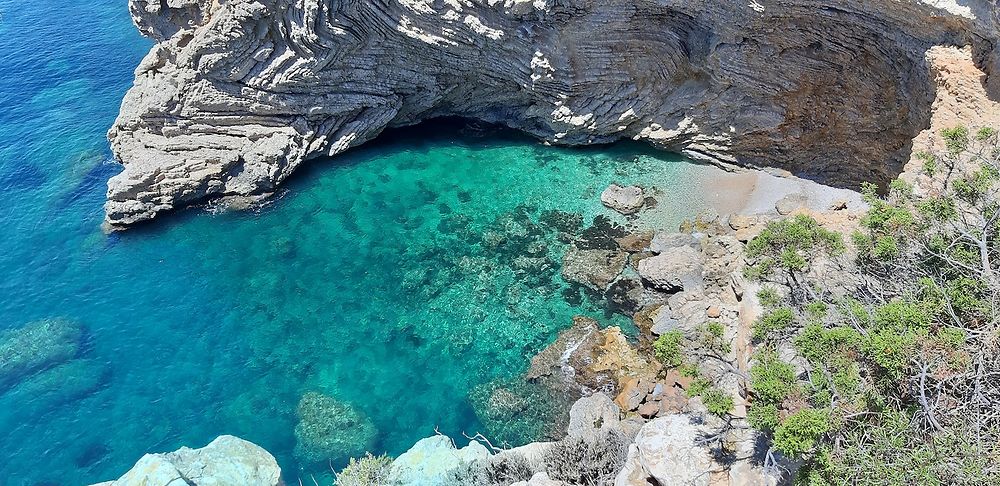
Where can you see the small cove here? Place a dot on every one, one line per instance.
(393, 278)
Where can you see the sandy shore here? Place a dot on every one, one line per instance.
(758, 192)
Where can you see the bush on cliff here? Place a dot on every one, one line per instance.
(588, 461)
(369, 470)
(901, 368)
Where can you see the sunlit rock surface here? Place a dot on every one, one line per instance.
(235, 95)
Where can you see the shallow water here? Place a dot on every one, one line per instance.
(388, 278)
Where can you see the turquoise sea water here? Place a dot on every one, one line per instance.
(388, 278)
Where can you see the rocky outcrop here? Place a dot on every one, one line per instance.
(226, 461)
(625, 200)
(430, 460)
(667, 450)
(236, 95)
(585, 359)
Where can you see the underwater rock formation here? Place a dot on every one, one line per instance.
(330, 429)
(235, 95)
(35, 347)
(226, 461)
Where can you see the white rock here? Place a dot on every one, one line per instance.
(226, 461)
(667, 449)
(591, 414)
(625, 200)
(674, 270)
(429, 461)
(237, 94)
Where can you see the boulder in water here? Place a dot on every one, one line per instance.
(624, 199)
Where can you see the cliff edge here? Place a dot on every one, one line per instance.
(236, 94)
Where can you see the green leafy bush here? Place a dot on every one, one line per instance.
(771, 379)
(790, 244)
(667, 348)
(768, 297)
(772, 321)
(799, 432)
(717, 401)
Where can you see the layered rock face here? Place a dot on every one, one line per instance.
(238, 93)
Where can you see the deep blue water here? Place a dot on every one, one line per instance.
(382, 278)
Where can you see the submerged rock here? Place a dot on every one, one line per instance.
(330, 429)
(36, 346)
(58, 385)
(625, 200)
(595, 269)
(516, 411)
(226, 461)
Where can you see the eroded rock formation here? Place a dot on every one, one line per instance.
(238, 93)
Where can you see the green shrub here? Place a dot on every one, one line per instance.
(667, 348)
(763, 416)
(772, 321)
(790, 244)
(799, 432)
(818, 344)
(717, 401)
(713, 338)
(771, 379)
(956, 139)
(688, 370)
(768, 297)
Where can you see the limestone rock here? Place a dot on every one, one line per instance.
(593, 268)
(677, 269)
(585, 359)
(226, 461)
(790, 203)
(635, 242)
(590, 414)
(663, 242)
(662, 321)
(555, 357)
(625, 200)
(668, 451)
(236, 95)
(430, 460)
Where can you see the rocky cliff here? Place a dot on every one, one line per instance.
(236, 94)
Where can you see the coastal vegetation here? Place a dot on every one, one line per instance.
(894, 375)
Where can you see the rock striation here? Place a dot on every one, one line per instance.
(236, 94)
